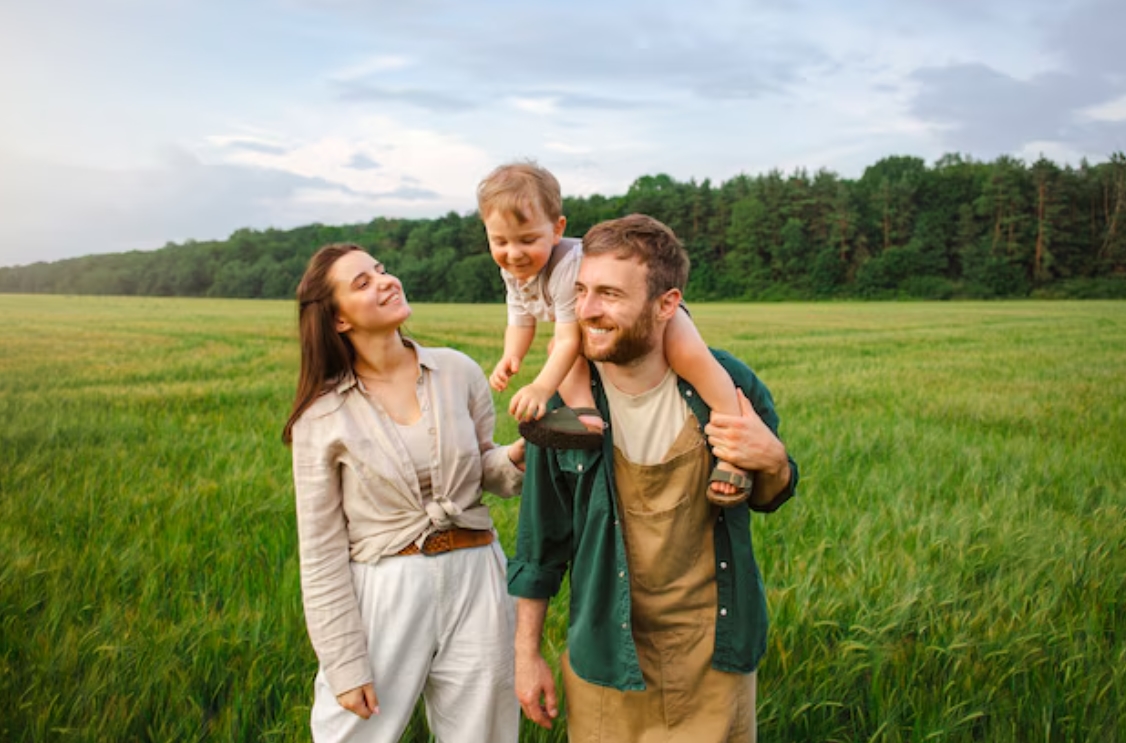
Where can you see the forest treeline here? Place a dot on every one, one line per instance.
(958, 228)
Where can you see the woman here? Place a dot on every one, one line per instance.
(402, 578)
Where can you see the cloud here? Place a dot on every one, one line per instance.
(712, 49)
(54, 211)
(409, 193)
(570, 101)
(980, 109)
(371, 66)
(1090, 39)
(539, 105)
(262, 147)
(567, 149)
(431, 100)
(360, 161)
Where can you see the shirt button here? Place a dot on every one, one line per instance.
(688, 393)
(723, 612)
(579, 467)
(624, 625)
(621, 574)
(723, 566)
(721, 517)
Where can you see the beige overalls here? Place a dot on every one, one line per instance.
(667, 522)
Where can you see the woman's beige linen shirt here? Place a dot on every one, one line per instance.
(358, 496)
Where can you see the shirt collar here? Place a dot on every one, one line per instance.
(427, 359)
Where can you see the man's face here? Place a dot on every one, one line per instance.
(617, 318)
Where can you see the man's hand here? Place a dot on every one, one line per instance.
(360, 701)
(529, 402)
(505, 370)
(746, 442)
(535, 688)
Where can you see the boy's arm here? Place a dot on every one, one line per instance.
(517, 340)
(531, 401)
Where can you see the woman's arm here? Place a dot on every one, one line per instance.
(332, 613)
(500, 474)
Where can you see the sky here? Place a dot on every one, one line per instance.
(128, 124)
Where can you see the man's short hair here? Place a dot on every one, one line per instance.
(513, 187)
(651, 242)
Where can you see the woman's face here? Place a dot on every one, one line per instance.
(368, 299)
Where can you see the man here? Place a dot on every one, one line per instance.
(667, 612)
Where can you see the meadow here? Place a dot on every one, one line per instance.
(953, 568)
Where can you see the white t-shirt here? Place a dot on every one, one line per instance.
(645, 426)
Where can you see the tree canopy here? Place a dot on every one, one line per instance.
(957, 228)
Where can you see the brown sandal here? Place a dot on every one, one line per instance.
(743, 482)
(562, 429)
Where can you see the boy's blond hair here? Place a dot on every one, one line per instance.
(514, 187)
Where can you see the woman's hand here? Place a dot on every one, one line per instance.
(516, 453)
(360, 701)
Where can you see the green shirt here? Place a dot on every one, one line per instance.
(569, 518)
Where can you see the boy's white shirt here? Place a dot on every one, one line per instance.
(549, 296)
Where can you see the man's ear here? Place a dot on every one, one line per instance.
(557, 230)
(668, 303)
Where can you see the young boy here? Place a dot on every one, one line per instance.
(522, 208)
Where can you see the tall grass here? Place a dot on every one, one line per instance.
(952, 569)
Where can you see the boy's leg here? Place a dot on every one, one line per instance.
(576, 393)
(689, 357)
(576, 425)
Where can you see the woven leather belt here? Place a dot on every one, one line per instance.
(447, 541)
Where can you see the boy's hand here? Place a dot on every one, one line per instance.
(529, 402)
(505, 370)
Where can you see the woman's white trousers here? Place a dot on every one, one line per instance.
(438, 626)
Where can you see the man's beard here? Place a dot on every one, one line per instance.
(632, 342)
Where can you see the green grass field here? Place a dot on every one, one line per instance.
(953, 568)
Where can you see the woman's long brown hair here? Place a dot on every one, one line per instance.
(325, 353)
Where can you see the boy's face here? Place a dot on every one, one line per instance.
(522, 248)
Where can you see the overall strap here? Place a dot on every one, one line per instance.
(558, 252)
(561, 248)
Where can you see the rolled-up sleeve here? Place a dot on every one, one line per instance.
(543, 539)
(332, 613)
(499, 475)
